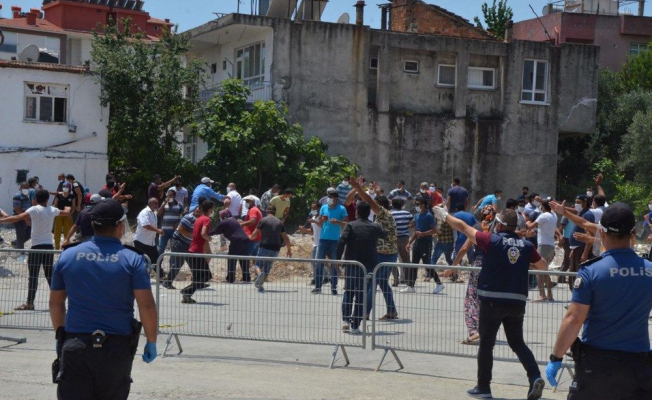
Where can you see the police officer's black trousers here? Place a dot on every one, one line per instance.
(94, 374)
(492, 315)
(34, 263)
(612, 375)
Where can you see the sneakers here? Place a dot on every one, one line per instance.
(389, 316)
(261, 290)
(536, 389)
(260, 279)
(25, 307)
(438, 289)
(312, 282)
(480, 393)
(409, 289)
(315, 291)
(168, 285)
(355, 331)
(188, 300)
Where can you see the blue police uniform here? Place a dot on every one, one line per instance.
(614, 355)
(99, 277)
(503, 290)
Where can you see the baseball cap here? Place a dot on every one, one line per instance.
(618, 218)
(107, 211)
(96, 198)
(332, 192)
(207, 180)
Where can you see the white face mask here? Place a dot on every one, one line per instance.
(24, 191)
(417, 209)
(345, 183)
(313, 213)
(432, 188)
(229, 189)
(66, 190)
(520, 209)
(589, 193)
(649, 206)
(330, 201)
(422, 190)
(578, 207)
(536, 203)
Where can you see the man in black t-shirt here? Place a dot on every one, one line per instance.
(273, 238)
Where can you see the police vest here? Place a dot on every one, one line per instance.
(504, 275)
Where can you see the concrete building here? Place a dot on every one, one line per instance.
(413, 106)
(603, 23)
(52, 122)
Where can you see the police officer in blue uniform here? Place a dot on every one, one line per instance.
(503, 290)
(612, 300)
(97, 335)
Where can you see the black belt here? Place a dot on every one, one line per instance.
(109, 339)
(616, 354)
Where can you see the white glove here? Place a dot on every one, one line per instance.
(440, 212)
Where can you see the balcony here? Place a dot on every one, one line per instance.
(260, 90)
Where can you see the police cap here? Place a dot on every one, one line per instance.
(618, 218)
(107, 212)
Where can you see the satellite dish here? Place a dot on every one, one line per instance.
(30, 54)
(546, 9)
(344, 19)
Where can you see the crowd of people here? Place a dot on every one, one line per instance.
(354, 221)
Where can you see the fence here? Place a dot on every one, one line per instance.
(436, 323)
(14, 283)
(286, 311)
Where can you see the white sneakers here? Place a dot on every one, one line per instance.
(438, 289)
(408, 289)
(355, 331)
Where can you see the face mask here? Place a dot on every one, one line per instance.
(417, 209)
(66, 190)
(520, 209)
(536, 203)
(578, 207)
(313, 213)
(498, 198)
(422, 190)
(649, 206)
(345, 183)
(432, 188)
(24, 191)
(590, 194)
(229, 190)
(330, 201)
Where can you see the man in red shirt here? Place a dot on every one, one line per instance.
(254, 215)
(431, 192)
(199, 245)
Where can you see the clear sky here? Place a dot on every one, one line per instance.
(191, 13)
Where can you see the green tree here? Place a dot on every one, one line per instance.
(636, 74)
(152, 91)
(256, 146)
(495, 17)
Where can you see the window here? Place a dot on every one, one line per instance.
(213, 68)
(637, 48)
(191, 148)
(446, 75)
(411, 66)
(482, 78)
(373, 63)
(10, 44)
(46, 103)
(535, 82)
(250, 64)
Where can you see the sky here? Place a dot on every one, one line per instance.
(191, 13)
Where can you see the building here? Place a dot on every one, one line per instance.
(603, 23)
(52, 122)
(412, 106)
(63, 30)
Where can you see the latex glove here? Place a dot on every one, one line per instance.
(440, 212)
(149, 354)
(551, 372)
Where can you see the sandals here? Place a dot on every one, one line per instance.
(471, 342)
(25, 307)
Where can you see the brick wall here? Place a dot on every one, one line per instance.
(419, 17)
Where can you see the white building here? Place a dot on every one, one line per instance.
(52, 122)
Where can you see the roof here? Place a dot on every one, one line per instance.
(43, 66)
(157, 21)
(21, 23)
(458, 18)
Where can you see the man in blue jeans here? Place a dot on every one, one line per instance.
(332, 218)
(273, 237)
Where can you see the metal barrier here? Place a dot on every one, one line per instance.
(285, 311)
(14, 283)
(435, 323)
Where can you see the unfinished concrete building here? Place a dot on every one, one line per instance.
(418, 107)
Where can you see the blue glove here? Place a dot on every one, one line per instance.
(149, 354)
(551, 372)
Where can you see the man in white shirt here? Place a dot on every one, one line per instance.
(245, 206)
(547, 224)
(146, 230)
(233, 201)
(42, 217)
(315, 230)
(182, 194)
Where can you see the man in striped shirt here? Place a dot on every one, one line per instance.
(404, 220)
(181, 240)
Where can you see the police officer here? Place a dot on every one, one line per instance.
(503, 290)
(612, 300)
(100, 278)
